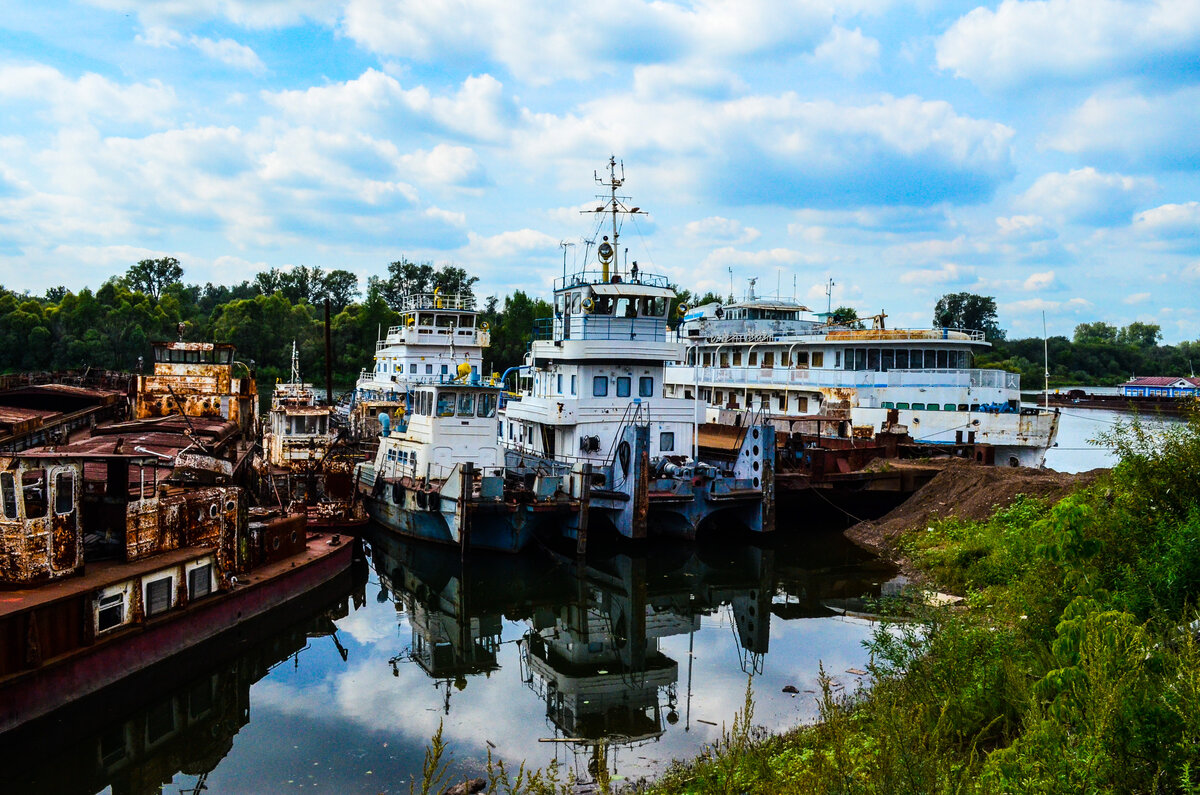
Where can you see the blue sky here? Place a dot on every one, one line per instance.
(1045, 153)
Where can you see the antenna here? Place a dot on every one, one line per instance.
(731, 284)
(829, 297)
(1046, 360)
(564, 245)
(612, 204)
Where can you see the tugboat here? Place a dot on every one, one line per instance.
(593, 408)
(437, 332)
(439, 474)
(307, 463)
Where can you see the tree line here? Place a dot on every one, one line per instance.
(113, 326)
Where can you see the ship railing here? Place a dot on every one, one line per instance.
(603, 327)
(899, 334)
(586, 277)
(434, 334)
(459, 302)
(826, 377)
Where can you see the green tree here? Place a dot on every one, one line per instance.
(968, 311)
(1098, 332)
(845, 316)
(1141, 335)
(151, 276)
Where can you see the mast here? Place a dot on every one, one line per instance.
(607, 252)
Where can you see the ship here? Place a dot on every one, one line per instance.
(592, 407)
(764, 356)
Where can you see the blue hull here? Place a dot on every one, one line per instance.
(496, 528)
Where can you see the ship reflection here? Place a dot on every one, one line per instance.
(592, 631)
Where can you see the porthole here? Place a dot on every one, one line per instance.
(213, 510)
(755, 433)
(275, 542)
(755, 466)
(756, 449)
(230, 505)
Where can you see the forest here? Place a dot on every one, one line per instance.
(111, 328)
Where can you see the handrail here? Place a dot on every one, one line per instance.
(588, 277)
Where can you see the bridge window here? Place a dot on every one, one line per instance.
(466, 404)
(646, 386)
(487, 404)
(33, 490)
(902, 359)
(626, 307)
(623, 386)
(666, 442)
(445, 404)
(600, 386)
(873, 359)
(888, 359)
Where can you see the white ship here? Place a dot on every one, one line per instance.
(763, 354)
(436, 334)
(594, 404)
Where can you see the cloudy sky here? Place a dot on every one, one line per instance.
(1045, 153)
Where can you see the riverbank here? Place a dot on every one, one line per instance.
(1074, 666)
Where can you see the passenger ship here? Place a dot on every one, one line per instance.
(760, 353)
(594, 405)
(436, 334)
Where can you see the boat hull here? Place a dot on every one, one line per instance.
(501, 528)
(35, 694)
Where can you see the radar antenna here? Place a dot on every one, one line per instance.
(614, 204)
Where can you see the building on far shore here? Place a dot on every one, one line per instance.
(1161, 386)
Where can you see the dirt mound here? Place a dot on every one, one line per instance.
(969, 491)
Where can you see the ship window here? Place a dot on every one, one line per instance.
(943, 359)
(888, 359)
(158, 595)
(466, 404)
(600, 386)
(873, 359)
(33, 490)
(724, 359)
(656, 307)
(860, 358)
(200, 582)
(753, 358)
(887, 404)
(801, 359)
(412, 368)
(559, 383)
(768, 359)
(572, 384)
(902, 359)
(445, 369)
(626, 307)
(445, 404)
(646, 386)
(783, 402)
(9, 492)
(576, 301)
(487, 404)
(110, 612)
(918, 407)
(708, 359)
(903, 406)
(624, 384)
(931, 407)
(64, 492)
(666, 442)
(737, 358)
(950, 407)
(818, 359)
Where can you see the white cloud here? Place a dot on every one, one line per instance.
(950, 272)
(1033, 305)
(508, 244)
(539, 41)
(1138, 129)
(1039, 281)
(716, 229)
(226, 51)
(847, 52)
(445, 165)
(1022, 40)
(1169, 221)
(1136, 298)
(1024, 228)
(255, 14)
(89, 99)
(1087, 196)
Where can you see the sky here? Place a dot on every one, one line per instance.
(1044, 153)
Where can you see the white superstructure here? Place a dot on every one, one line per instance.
(764, 353)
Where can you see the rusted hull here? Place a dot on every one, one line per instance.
(503, 529)
(33, 694)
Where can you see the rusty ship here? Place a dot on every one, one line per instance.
(125, 546)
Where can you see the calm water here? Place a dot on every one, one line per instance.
(628, 660)
(634, 658)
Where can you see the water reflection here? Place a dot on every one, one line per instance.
(592, 635)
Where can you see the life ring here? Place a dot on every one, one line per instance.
(589, 305)
(682, 310)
